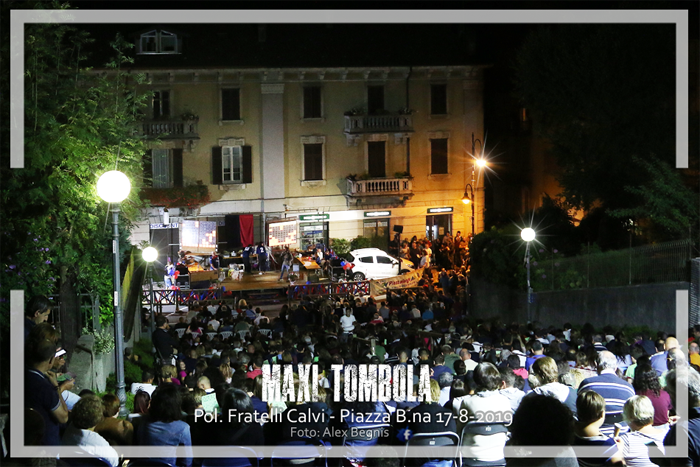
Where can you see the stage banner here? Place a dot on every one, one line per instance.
(380, 286)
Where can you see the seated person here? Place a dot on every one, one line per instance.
(636, 444)
(590, 408)
(117, 432)
(85, 416)
(162, 426)
(146, 384)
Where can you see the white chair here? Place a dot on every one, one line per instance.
(243, 334)
(180, 332)
(210, 336)
(225, 334)
(266, 332)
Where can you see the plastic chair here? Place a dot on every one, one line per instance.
(243, 334)
(210, 336)
(446, 438)
(313, 449)
(180, 332)
(266, 332)
(225, 334)
(483, 429)
(361, 444)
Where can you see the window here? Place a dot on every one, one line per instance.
(312, 102)
(161, 104)
(313, 161)
(164, 168)
(384, 260)
(367, 259)
(231, 163)
(375, 99)
(438, 99)
(438, 156)
(158, 42)
(230, 104)
(376, 160)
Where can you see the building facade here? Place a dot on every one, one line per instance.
(311, 154)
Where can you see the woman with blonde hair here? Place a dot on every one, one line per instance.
(226, 371)
(168, 374)
(544, 379)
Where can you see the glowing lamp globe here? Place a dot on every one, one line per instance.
(149, 254)
(527, 234)
(466, 200)
(113, 186)
(481, 163)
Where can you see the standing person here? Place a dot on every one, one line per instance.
(287, 259)
(169, 273)
(214, 262)
(246, 257)
(37, 311)
(262, 258)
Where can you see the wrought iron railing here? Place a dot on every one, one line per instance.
(297, 292)
(658, 263)
(168, 128)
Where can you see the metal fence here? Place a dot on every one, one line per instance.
(659, 263)
(89, 311)
(694, 292)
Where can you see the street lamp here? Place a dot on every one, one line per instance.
(149, 255)
(114, 187)
(528, 235)
(479, 162)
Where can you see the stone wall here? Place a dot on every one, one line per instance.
(653, 305)
(91, 370)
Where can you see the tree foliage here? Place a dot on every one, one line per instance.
(604, 96)
(78, 125)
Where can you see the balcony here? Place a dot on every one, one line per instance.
(387, 123)
(399, 188)
(169, 129)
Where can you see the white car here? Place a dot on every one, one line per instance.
(373, 263)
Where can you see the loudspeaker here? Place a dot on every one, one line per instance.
(398, 228)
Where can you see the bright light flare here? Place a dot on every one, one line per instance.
(527, 234)
(149, 254)
(113, 186)
(481, 163)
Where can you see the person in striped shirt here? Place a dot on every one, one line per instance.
(614, 390)
(642, 437)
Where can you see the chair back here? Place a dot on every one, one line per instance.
(447, 438)
(311, 449)
(81, 458)
(266, 332)
(243, 334)
(180, 332)
(210, 336)
(251, 459)
(225, 334)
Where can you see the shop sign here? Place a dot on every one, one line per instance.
(439, 210)
(174, 225)
(377, 213)
(314, 217)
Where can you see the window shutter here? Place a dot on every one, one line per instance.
(247, 164)
(148, 169)
(177, 168)
(216, 175)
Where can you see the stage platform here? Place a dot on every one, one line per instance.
(255, 281)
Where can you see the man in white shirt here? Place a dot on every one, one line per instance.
(85, 416)
(466, 357)
(147, 384)
(347, 322)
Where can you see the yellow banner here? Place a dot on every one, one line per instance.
(380, 286)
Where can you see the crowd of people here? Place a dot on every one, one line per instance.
(445, 252)
(492, 384)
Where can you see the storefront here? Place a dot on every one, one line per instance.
(375, 226)
(313, 230)
(438, 222)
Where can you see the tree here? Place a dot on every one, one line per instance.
(604, 96)
(78, 125)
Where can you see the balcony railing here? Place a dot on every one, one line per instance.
(378, 123)
(380, 187)
(169, 129)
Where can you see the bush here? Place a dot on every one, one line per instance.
(340, 246)
(360, 242)
(132, 372)
(144, 350)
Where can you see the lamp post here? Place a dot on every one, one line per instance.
(114, 187)
(468, 198)
(149, 255)
(528, 235)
